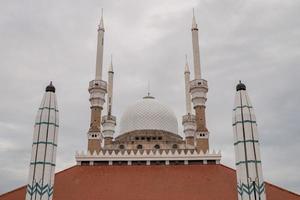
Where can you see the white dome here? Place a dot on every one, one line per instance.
(148, 114)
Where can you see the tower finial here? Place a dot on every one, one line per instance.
(110, 69)
(194, 23)
(101, 25)
(148, 93)
(186, 65)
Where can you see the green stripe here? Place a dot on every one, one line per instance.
(48, 108)
(245, 106)
(42, 163)
(42, 142)
(242, 141)
(245, 121)
(248, 161)
(49, 123)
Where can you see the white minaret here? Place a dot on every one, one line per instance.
(250, 183)
(188, 120)
(109, 121)
(43, 154)
(97, 90)
(100, 47)
(199, 89)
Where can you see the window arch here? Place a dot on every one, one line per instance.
(175, 146)
(139, 146)
(122, 146)
(156, 146)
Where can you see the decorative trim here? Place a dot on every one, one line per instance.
(244, 106)
(245, 121)
(242, 141)
(43, 142)
(247, 161)
(39, 189)
(48, 123)
(249, 189)
(42, 163)
(48, 108)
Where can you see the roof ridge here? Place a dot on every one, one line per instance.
(272, 185)
(21, 187)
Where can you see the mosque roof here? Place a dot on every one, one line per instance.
(205, 182)
(148, 114)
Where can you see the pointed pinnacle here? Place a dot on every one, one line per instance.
(101, 25)
(110, 69)
(186, 65)
(194, 23)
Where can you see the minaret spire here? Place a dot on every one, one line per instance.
(199, 89)
(187, 87)
(100, 45)
(110, 87)
(250, 183)
(43, 154)
(188, 120)
(97, 90)
(196, 51)
(109, 121)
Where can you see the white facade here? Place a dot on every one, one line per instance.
(43, 155)
(250, 183)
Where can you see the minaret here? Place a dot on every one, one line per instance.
(188, 120)
(97, 90)
(109, 121)
(250, 183)
(43, 154)
(199, 89)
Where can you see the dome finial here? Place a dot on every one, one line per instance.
(50, 88)
(240, 86)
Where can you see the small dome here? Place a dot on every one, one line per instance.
(148, 114)
(240, 86)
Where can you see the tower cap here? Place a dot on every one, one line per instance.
(240, 86)
(50, 88)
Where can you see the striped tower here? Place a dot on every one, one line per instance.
(97, 90)
(199, 89)
(250, 183)
(43, 155)
(188, 120)
(109, 121)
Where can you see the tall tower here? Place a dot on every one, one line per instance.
(97, 90)
(109, 121)
(188, 120)
(250, 183)
(199, 89)
(43, 154)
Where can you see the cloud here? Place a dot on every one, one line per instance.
(255, 41)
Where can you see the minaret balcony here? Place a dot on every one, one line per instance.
(198, 90)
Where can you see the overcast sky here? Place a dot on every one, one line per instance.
(256, 41)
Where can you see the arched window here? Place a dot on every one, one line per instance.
(121, 146)
(157, 146)
(139, 146)
(175, 146)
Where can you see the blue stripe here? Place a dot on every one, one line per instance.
(42, 142)
(245, 106)
(48, 123)
(48, 108)
(42, 163)
(242, 141)
(245, 121)
(248, 161)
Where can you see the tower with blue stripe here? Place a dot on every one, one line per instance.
(43, 154)
(250, 183)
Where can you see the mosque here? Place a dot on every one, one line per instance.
(148, 159)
